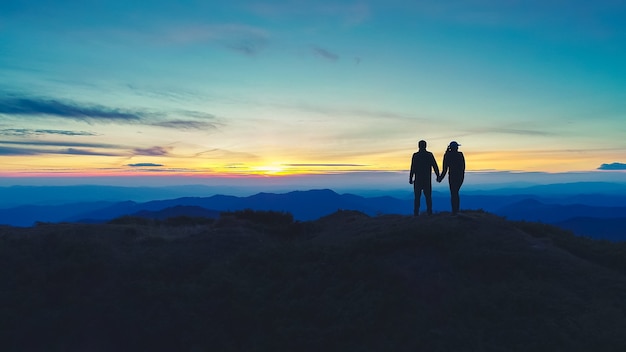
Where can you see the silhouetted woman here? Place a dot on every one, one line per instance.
(454, 165)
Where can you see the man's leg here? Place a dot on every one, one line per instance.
(428, 194)
(417, 191)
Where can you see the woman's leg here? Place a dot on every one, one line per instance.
(455, 199)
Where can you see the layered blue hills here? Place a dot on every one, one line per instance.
(591, 219)
(304, 205)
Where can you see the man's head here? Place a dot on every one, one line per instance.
(421, 144)
(454, 145)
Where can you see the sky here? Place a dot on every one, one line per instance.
(196, 89)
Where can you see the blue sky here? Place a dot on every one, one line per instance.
(220, 89)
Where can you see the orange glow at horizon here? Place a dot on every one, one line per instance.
(549, 161)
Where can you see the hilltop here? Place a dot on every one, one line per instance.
(260, 281)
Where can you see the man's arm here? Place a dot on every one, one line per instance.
(434, 164)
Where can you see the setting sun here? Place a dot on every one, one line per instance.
(273, 169)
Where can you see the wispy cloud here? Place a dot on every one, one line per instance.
(350, 111)
(198, 114)
(218, 153)
(516, 131)
(326, 165)
(244, 39)
(186, 125)
(64, 109)
(613, 166)
(38, 147)
(236, 37)
(77, 151)
(91, 113)
(145, 165)
(62, 144)
(501, 130)
(27, 132)
(325, 54)
(11, 151)
(249, 46)
(153, 151)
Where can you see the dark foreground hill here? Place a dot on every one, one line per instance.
(257, 281)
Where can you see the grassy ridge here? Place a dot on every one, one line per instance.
(257, 281)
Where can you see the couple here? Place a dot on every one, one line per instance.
(421, 165)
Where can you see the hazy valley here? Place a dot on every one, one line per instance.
(601, 213)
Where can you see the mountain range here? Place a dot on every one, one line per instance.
(593, 219)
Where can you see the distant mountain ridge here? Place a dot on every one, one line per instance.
(571, 188)
(313, 204)
(304, 205)
(534, 210)
(58, 195)
(591, 193)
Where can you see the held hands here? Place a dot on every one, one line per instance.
(439, 179)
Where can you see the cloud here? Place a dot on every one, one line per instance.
(153, 151)
(248, 46)
(26, 132)
(63, 144)
(76, 151)
(145, 165)
(240, 38)
(504, 130)
(244, 39)
(10, 151)
(35, 147)
(524, 132)
(352, 111)
(325, 165)
(70, 110)
(325, 54)
(20, 106)
(186, 125)
(518, 131)
(613, 166)
(198, 114)
(217, 153)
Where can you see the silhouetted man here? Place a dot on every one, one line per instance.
(454, 165)
(422, 164)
